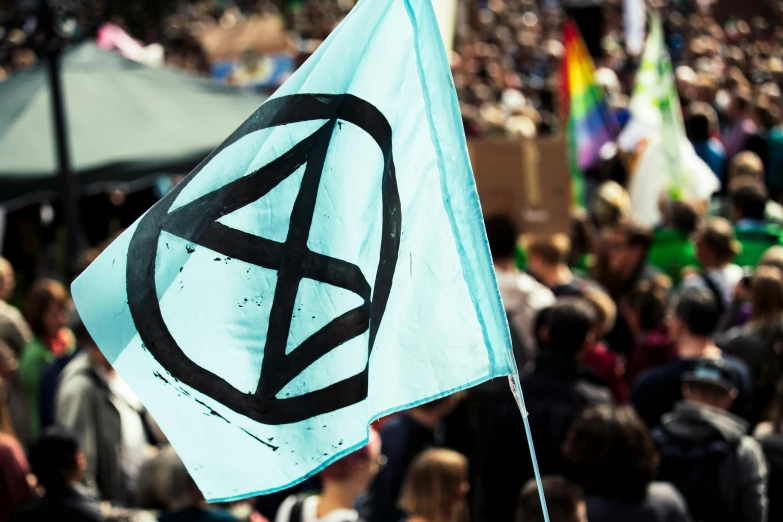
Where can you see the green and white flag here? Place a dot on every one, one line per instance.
(656, 114)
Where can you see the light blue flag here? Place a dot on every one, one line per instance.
(325, 266)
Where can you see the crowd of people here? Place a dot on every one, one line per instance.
(651, 359)
(649, 397)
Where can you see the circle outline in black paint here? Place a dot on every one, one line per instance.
(195, 221)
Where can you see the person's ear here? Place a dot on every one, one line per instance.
(729, 399)
(81, 461)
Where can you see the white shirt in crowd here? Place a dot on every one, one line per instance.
(725, 279)
(310, 512)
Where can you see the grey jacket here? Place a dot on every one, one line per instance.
(84, 408)
(743, 479)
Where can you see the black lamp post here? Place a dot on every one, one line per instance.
(52, 52)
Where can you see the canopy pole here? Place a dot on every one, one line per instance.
(68, 192)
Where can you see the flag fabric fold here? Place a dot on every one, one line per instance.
(325, 266)
(669, 164)
(590, 122)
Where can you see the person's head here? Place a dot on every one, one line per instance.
(564, 501)
(581, 236)
(745, 167)
(766, 114)
(610, 205)
(435, 486)
(716, 244)
(46, 308)
(626, 244)
(56, 460)
(182, 491)
(644, 308)
(681, 215)
(431, 413)
(702, 122)
(569, 327)
(696, 315)
(604, 311)
(612, 452)
(7, 279)
(85, 342)
(773, 257)
(546, 252)
(741, 105)
(353, 473)
(541, 328)
(766, 295)
(502, 237)
(709, 384)
(749, 202)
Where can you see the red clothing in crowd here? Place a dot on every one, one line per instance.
(14, 488)
(652, 349)
(610, 368)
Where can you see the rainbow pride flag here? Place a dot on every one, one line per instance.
(590, 123)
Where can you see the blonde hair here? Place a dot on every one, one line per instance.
(553, 249)
(746, 164)
(605, 309)
(433, 486)
(611, 204)
(767, 296)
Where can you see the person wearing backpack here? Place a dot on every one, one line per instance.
(342, 483)
(707, 454)
(716, 248)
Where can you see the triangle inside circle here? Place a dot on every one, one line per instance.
(269, 216)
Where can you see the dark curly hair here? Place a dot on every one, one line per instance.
(612, 452)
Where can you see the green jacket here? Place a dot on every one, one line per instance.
(756, 238)
(34, 357)
(672, 251)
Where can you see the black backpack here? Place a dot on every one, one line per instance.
(694, 468)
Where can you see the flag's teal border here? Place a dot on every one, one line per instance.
(467, 270)
(357, 446)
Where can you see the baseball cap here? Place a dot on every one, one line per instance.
(711, 371)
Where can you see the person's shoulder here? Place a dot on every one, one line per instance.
(33, 350)
(592, 392)
(28, 512)
(749, 450)
(716, 146)
(76, 379)
(664, 495)
(735, 363)
(657, 374)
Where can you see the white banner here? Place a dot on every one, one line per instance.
(634, 25)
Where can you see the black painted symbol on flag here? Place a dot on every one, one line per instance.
(197, 223)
